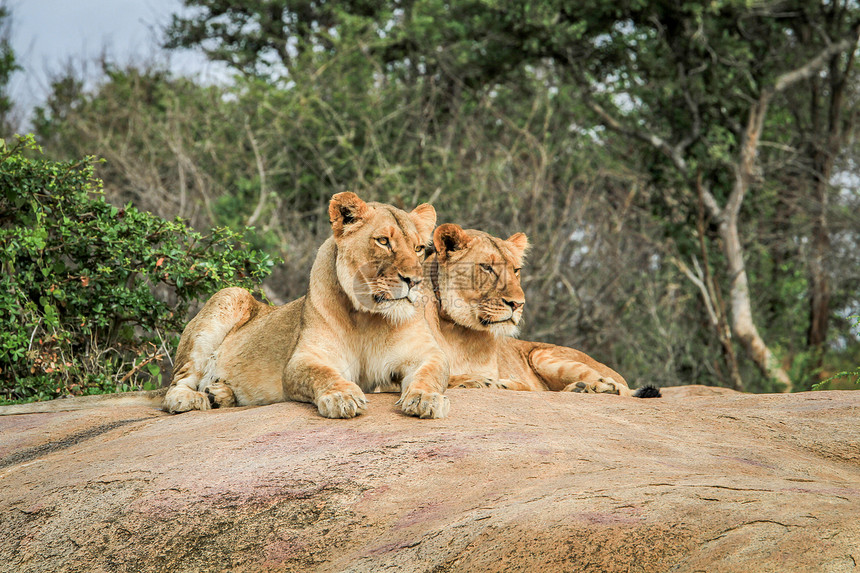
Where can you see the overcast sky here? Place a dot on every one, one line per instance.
(46, 34)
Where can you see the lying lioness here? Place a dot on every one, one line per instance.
(360, 326)
(478, 306)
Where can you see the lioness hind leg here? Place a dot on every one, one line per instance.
(568, 370)
(194, 369)
(183, 399)
(478, 381)
(600, 386)
(220, 395)
(471, 381)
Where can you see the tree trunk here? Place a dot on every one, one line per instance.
(742, 320)
(718, 320)
(819, 281)
(823, 161)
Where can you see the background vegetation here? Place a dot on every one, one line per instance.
(686, 171)
(93, 295)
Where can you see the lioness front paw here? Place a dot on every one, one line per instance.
(599, 386)
(424, 404)
(344, 403)
(473, 381)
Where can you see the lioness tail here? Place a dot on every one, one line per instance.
(648, 391)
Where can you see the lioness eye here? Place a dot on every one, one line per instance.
(486, 268)
(419, 248)
(383, 241)
(517, 272)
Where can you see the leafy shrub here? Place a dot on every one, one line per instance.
(847, 377)
(92, 295)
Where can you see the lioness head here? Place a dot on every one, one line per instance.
(380, 250)
(479, 278)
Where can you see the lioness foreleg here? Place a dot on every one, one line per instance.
(601, 386)
(333, 395)
(422, 391)
(471, 381)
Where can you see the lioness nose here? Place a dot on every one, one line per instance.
(410, 281)
(513, 304)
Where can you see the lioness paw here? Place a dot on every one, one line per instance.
(599, 386)
(183, 399)
(347, 403)
(220, 395)
(474, 381)
(424, 404)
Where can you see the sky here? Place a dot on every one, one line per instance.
(48, 34)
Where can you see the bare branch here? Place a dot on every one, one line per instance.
(673, 153)
(696, 129)
(710, 202)
(811, 67)
(745, 169)
(697, 279)
(262, 171)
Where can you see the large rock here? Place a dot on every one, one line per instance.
(691, 390)
(509, 482)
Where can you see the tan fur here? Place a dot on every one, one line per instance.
(361, 326)
(479, 307)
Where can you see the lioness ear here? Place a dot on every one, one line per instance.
(520, 243)
(345, 209)
(449, 238)
(424, 217)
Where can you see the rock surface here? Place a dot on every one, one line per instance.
(691, 390)
(511, 481)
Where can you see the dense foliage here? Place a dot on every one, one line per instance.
(617, 135)
(92, 296)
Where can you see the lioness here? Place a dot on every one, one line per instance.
(360, 326)
(478, 306)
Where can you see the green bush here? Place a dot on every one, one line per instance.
(848, 378)
(93, 296)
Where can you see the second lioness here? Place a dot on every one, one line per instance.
(360, 326)
(479, 304)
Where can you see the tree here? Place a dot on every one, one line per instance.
(692, 82)
(266, 37)
(823, 121)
